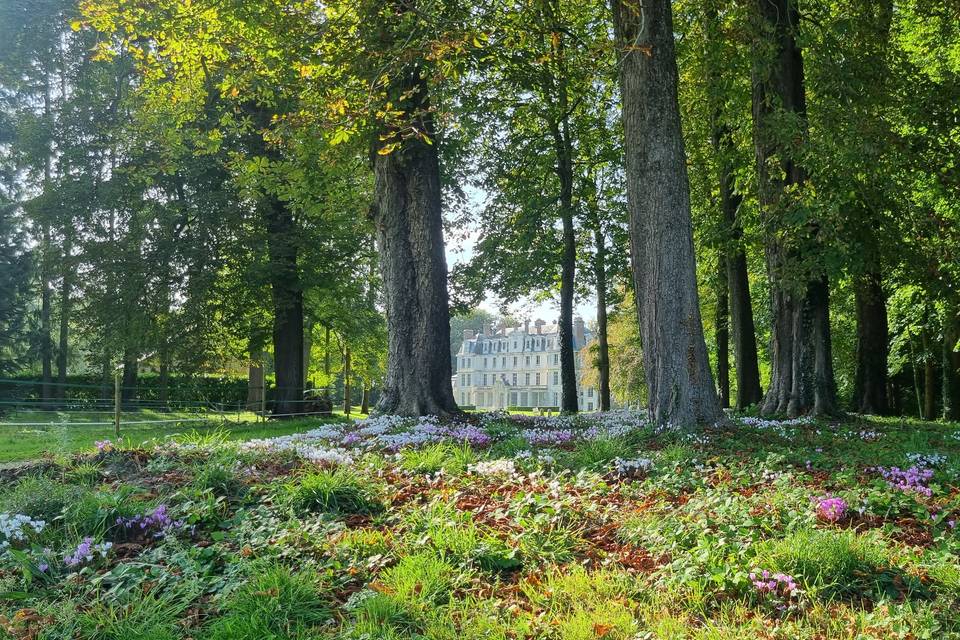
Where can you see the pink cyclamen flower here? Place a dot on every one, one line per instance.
(831, 509)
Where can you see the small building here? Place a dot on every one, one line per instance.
(518, 367)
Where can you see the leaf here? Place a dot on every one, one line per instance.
(76, 25)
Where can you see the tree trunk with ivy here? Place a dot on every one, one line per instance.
(801, 376)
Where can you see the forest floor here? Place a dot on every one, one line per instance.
(503, 528)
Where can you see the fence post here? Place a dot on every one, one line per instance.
(116, 404)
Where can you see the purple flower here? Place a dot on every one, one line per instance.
(831, 509)
(85, 552)
(778, 584)
(159, 523)
(103, 446)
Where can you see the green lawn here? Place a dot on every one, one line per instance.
(23, 438)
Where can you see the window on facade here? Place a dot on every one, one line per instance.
(468, 379)
(556, 377)
(556, 358)
(528, 361)
(484, 363)
(526, 378)
(589, 406)
(514, 360)
(538, 379)
(514, 378)
(538, 361)
(484, 379)
(503, 362)
(589, 393)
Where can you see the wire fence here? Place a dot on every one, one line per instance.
(23, 402)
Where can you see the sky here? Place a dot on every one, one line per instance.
(548, 310)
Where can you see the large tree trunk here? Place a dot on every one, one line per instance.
(563, 150)
(164, 373)
(723, 336)
(870, 385)
(326, 360)
(679, 381)
(929, 378)
(347, 391)
(603, 344)
(365, 399)
(801, 380)
(407, 212)
(131, 364)
(740, 315)
(66, 285)
(951, 363)
(46, 343)
(255, 377)
(287, 296)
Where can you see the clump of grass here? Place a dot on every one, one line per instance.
(580, 605)
(95, 513)
(383, 617)
(85, 473)
(219, 477)
(422, 578)
(838, 564)
(456, 538)
(142, 615)
(276, 603)
(40, 497)
(453, 459)
(593, 453)
(337, 491)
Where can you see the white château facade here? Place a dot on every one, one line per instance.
(518, 367)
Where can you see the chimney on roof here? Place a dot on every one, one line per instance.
(526, 326)
(486, 329)
(539, 324)
(578, 333)
(468, 334)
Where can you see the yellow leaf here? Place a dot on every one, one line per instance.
(76, 25)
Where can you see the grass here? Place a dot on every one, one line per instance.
(61, 433)
(340, 536)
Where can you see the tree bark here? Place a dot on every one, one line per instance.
(870, 383)
(723, 336)
(951, 363)
(563, 150)
(801, 380)
(365, 399)
(66, 286)
(929, 378)
(255, 378)
(128, 391)
(164, 373)
(680, 385)
(326, 360)
(287, 297)
(347, 391)
(603, 344)
(407, 211)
